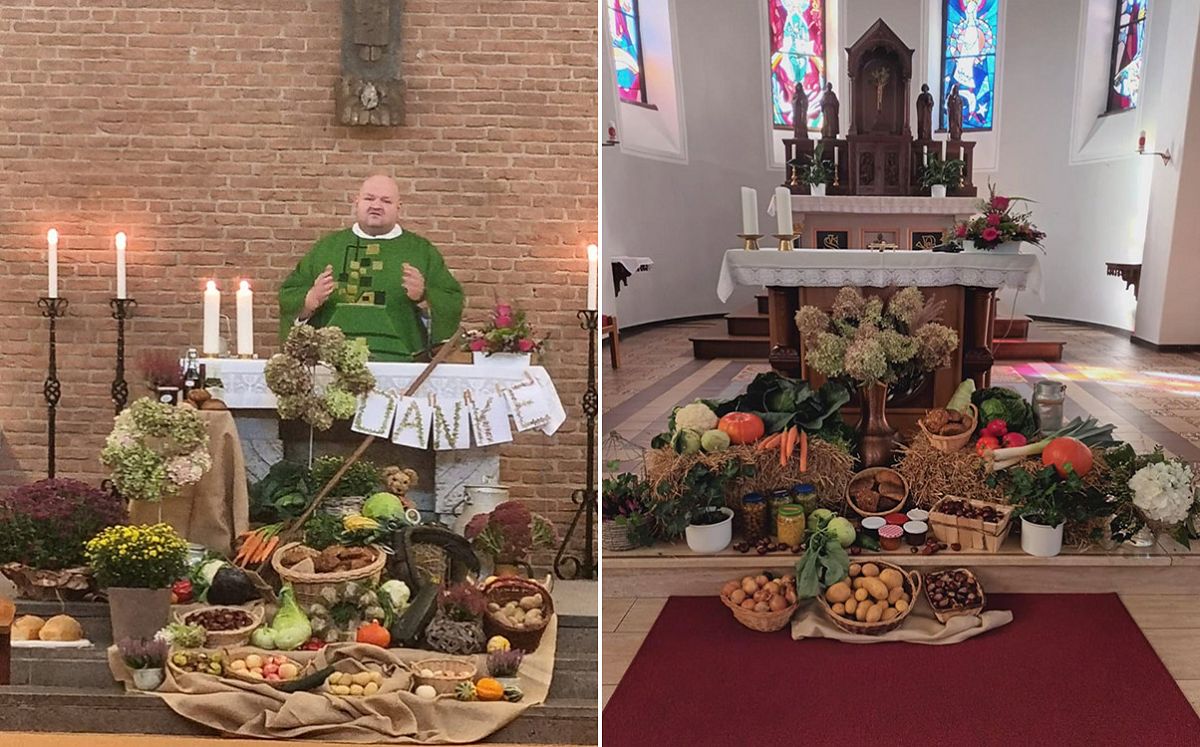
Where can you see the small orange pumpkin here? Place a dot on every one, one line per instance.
(489, 689)
(742, 427)
(374, 634)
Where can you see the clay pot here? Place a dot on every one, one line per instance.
(138, 613)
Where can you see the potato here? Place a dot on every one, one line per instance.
(892, 578)
(360, 678)
(895, 594)
(851, 606)
(861, 595)
(288, 671)
(839, 608)
(340, 689)
(858, 582)
(253, 660)
(855, 569)
(906, 597)
(860, 612)
(534, 618)
(370, 688)
(901, 605)
(493, 606)
(377, 678)
(870, 569)
(875, 612)
(530, 602)
(875, 588)
(356, 689)
(839, 592)
(762, 607)
(890, 614)
(738, 596)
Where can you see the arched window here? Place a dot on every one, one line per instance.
(797, 54)
(626, 34)
(969, 36)
(1125, 73)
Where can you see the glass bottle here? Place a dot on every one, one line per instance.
(191, 372)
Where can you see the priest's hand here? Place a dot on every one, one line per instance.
(320, 292)
(414, 283)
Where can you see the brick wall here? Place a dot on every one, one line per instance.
(206, 131)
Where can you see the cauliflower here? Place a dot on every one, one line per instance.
(695, 417)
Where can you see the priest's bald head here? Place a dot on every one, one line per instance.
(377, 206)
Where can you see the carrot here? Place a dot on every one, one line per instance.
(268, 548)
(247, 549)
(803, 451)
(784, 449)
(770, 441)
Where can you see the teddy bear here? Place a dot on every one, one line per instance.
(397, 481)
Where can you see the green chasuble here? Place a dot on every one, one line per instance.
(368, 299)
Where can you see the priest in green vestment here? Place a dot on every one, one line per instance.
(376, 281)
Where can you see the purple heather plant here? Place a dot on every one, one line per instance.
(47, 523)
(505, 663)
(463, 603)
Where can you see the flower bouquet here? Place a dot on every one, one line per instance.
(998, 222)
(155, 449)
(625, 510)
(507, 331)
(291, 376)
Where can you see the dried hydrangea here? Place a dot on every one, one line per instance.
(848, 304)
(866, 361)
(935, 343)
(897, 347)
(872, 312)
(352, 356)
(317, 415)
(828, 356)
(341, 404)
(906, 305)
(154, 449)
(329, 341)
(811, 322)
(287, 376)
(291, 407)
(303, 344)
(359, 381)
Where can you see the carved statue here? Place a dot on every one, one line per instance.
(829, 111)
(925, 114)
(800, 112)
(954, 113)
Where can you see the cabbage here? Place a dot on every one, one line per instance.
(382, 506)
(263, 637)
(714, 440)
(289, 628)
(398, 592)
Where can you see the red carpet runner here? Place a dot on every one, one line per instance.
(1070, 669)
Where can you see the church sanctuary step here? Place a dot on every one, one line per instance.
(747, 323)
(716, 345)
(1016, 328)
(761, 300)
(1027, 350)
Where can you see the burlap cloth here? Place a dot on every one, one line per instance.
(812, 621)
(391, 715)
(214, 511)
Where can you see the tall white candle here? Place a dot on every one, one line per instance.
(212, 319)
(749, 211)
(593, 291)
(120, 241)
(245, 320)
(52, 244)
(783, 210)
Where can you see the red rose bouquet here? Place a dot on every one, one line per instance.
(998, 221)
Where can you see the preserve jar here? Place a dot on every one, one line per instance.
(872, 524)
(777, 500)
(754, 518)
(789, 524)
(805, 495)
(889, 536)
(915, 531)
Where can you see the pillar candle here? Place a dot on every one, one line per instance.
(1142, 141)
(245, 320)
(212, 319)
(52, 243)
(120, 241)
(749, 211)
(783, 210)
(593, 291)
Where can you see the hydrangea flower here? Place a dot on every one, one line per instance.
(1163, 491)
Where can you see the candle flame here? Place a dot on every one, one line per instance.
(120, 239)
(245, 285)
(212, 285)
(52, 236)
(592, 250)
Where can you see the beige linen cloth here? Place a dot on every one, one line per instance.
(391, 715)
(812, 621)
(214, 511)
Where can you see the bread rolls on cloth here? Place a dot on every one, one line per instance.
(60, 631)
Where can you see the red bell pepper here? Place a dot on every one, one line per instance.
(182, 591)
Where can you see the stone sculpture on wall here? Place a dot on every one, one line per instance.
(371, 91)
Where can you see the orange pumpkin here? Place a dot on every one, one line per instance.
(1066, 450)
(489, 689)
(742, 427)
(374, 634)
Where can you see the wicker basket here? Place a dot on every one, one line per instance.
(912, 586)
(507, 589)
(971, 534)
(615, 536)
(237, 636)
(343, 506)
(944, 616)
(763, 622)
(871, 472)
(949, 444)
(308, 585)
(464, 670)
(228, 657)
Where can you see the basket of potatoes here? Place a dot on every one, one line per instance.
(518, 609)
(763, 602)
(874, 599)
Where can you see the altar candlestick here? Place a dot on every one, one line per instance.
(593, 290)
(749, 210)
(212, 319)
(783, 210)
(1142, 141)
(120, 240)
(245, 320)
(52, 243)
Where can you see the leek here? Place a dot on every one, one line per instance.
(1089, 431)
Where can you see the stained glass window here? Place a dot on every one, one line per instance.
(1125, 79)
(969, 59)
(797, 55)
(626, 33)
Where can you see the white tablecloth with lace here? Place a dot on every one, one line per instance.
(863, 268)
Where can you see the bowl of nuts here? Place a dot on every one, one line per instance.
(226, 626)
(954, 592)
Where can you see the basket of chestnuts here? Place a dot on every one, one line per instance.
(954, 592)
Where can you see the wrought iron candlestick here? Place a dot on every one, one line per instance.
(585, 567)
(121, 310)
(52, 309)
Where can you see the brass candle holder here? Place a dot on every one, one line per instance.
(785, 241)
(750, 241)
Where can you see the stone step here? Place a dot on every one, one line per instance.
(1016, 328)
(1028, 350)
(82, 710)
(709, 346)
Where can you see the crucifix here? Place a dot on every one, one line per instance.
(880, 77)
(880, 245)
(370, 90)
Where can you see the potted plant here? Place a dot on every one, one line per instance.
(136, 566)
(145, 658)
(938, 174)
(44, 527)
(698, 509)
(873, 344)
(1042, 506)
(710, 530)
(361, 480)
(626, 522)
(815, 171)
(508, 534)
(998, 226)
(457, 626)
(503, 665)
(506, 340)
